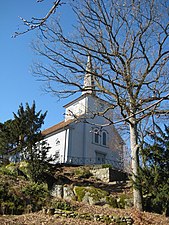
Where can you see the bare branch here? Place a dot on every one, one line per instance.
(35, 22)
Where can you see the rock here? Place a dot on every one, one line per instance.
(91, 195)
(57, 191)
(68, 193)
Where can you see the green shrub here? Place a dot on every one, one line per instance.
(107, 166)
(63, 205)
(10, 170)
(35, 195)
(18, 194)
(83, 172)
(121, 201)
(112, 201)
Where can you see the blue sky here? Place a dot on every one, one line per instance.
(17, 85)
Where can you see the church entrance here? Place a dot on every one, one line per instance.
(100, 158)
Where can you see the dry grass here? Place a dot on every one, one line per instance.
(140, 218)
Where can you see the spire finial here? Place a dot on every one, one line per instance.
(88, 78)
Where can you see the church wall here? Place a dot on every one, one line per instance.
(59, 144)
(76, 145)
(96, 105)
(114, 149)
(83, 145)
(78, 108)
(77, 140)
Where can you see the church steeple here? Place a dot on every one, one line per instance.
(88, 78)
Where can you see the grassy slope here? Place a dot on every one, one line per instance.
(39, 218)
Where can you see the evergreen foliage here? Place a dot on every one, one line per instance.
(8, 138)
(18, 196)
(21, 139)
(28, 123)
(155, 173)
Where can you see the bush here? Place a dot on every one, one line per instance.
(9, 169)
(63, 205)
(83, 173)
(18, 195)
(107, 166)
(35, 195)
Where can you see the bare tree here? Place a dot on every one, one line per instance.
(128, 42)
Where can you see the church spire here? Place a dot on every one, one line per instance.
(88, 78)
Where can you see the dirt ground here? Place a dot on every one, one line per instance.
(140, 218)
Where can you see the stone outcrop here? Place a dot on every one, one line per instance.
(90, 195)
(108, 174)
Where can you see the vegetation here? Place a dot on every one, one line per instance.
(107, 166)
(155, 173)
(83, 172)
(21, 184)
(63, 205)
(21, 139)
(95, 193)
(18, 195)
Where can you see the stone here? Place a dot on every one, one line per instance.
(68, 193)
(57, 191)
(91, 195)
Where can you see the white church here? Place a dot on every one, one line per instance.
(82, 138)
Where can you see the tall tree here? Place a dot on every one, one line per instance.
(155, 173)
(128, 44)
(8, 139)
(22, 138)
(28, 123)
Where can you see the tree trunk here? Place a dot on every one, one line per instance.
(137, 193)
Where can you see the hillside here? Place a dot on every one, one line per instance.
(43, 219)
(22, 191)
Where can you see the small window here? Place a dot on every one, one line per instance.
(96, 137)
(104, 138)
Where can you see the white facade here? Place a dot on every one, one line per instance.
(80, 138)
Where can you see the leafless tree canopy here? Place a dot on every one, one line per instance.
(128, 42)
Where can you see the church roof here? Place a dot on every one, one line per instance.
(56, 127)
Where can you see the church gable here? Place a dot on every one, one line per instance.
(76, 108)
(86, 105)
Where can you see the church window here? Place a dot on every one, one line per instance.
(96, 136)
(104, 138)
(100, 137)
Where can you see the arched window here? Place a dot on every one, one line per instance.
(104, 138)
(96, 136)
